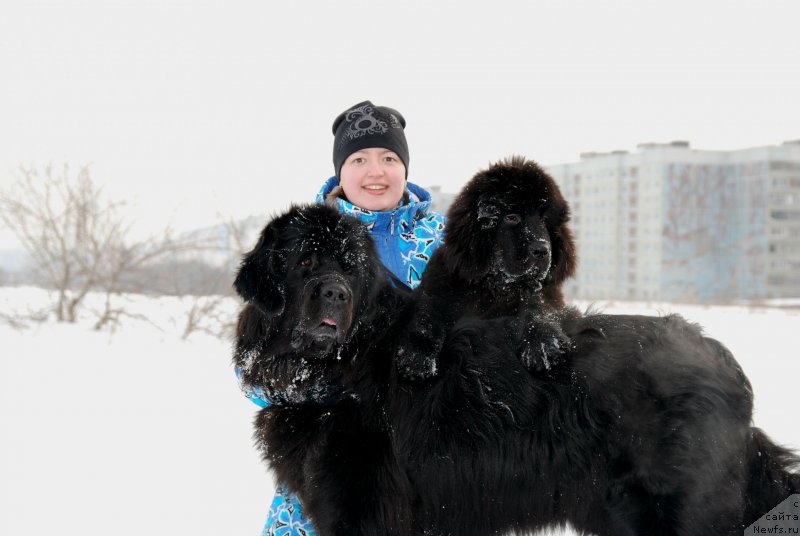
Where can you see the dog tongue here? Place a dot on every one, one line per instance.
(329, 321)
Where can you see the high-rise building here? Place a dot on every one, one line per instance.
(441, 201)
(669, 222)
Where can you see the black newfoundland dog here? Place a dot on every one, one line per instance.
(507, 245)
(507, 250)
(643, 428)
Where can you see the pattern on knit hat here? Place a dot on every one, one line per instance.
(366, 125)
(363, 122)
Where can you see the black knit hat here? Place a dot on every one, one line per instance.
(364, 126)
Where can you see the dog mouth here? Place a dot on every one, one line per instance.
(532, 277)
(326, 313)
(533, 268)
(320, 333)
(317, 335)
(327, 329)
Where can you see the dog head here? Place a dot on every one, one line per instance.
(510, 221)
(312, 272)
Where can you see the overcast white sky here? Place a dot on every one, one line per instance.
(189, 109)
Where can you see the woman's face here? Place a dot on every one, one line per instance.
(373, 179)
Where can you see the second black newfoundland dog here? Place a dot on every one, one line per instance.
(644, 428)
(507, 250)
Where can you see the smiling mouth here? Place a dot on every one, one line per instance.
(375, 187)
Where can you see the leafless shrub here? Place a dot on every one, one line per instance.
(79, 239)
(14, 321)
(211, 312)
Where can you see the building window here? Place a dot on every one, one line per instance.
(790, 215)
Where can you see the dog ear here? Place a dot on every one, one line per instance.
(259, 279)
(564, 258)
(469, 236)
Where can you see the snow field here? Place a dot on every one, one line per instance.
(140, 432)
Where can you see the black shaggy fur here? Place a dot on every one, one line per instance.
(644, 429)
(324, 436)
(507, 250)
(501, 208)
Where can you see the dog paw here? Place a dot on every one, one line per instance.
(542, 346)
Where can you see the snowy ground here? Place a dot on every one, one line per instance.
(139, 432)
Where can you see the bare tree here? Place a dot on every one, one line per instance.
(212, 313)
(79, 239)
(56, 219)
(209, 314)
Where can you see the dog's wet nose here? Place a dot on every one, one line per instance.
(540, 250)
(334, 292)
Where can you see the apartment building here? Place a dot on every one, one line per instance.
(668, 222)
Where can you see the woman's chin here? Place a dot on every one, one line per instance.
(377, 205)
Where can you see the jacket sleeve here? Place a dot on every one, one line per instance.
(255, 394)
(426, 236)
(286, 516)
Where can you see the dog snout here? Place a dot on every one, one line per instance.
(334, 292)
(540, 250)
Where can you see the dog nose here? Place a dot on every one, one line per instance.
(540, 250)
(334, 292)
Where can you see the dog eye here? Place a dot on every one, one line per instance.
(305, 262)
(512, 219)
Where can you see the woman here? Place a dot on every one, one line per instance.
(370, 157)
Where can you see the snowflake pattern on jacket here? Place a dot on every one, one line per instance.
(405, 238)
(286, 518)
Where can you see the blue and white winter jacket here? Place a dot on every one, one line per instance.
(405, 238)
